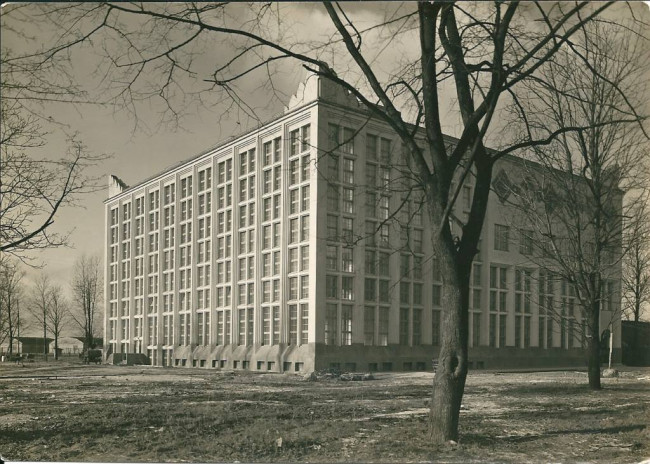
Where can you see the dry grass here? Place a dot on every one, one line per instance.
(106, 413)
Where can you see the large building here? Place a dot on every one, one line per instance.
(301, 245)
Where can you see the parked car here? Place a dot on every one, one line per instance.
(92, 356)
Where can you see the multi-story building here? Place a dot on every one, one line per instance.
(301, 245)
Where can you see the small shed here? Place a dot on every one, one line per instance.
(635, 343)
(34, 345)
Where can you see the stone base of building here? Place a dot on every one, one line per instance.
(360, 358)
(257, 358)
(422, 358)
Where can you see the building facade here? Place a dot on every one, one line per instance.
(301, 245)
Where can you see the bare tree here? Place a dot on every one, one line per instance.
(636, 264)
(87, 284)
(10, 298)
(58, 316)
(40, 305)
(33, 189)
(482, 51)
(574, 205)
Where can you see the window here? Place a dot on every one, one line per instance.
(277, 178)
(384, 264)
(332, 227)
(293, 324)
(347, 261)
(293, 172)
(526, 242)
(404, 292)
(293, 259)
(266, 181)
(347, 229)
(333, 198)
(405, 266)
(332, 258)
(370, 290)
(331, 319)
(498, 288)
(276, 150)
(383, 326)
(304, 258)
(383, 211)
(523, 279)
(242, 163)
(607, 297)
(371, 147)
(404, 326)
(436, 292)
(417, 294)
(384, 293)
(333, 135)
(385, 150)
(306, 137)
(331, 286)
(294, 140)
(333, 168)
(293, 201)
(304, 287)
(304, 228)
(348, 171)
(293, 288)
(348, 141)
(369, 325)
(347, 288)
(417, 326)
(346, 325)
(266, 326)
(348, 200)
(266, 153)
(501, 234)
(435, 328)
(293, 230)
(384, 237)
(276, 206)
(371, 262)
(304, 169)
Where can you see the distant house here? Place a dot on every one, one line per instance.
(68, 345)
(34, 345)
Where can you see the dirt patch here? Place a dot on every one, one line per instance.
(67, 412)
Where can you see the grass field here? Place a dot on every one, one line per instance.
(64, 411)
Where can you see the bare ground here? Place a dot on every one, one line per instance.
(70, 412)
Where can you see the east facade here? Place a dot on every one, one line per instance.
(302, 245)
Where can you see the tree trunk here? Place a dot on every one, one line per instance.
(56, 347)
(449, 381)
(44, 339)
(594, 346)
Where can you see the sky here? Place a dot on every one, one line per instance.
(137, 154)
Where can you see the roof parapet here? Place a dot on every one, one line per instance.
(315, 87)
(115, 185)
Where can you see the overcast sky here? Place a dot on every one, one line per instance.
(139, 154)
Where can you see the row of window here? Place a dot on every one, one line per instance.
(298, 327)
